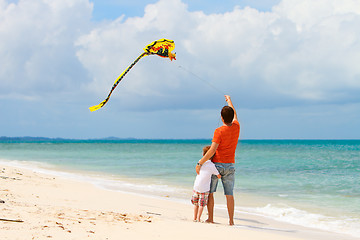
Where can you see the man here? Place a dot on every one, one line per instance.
(223, 146)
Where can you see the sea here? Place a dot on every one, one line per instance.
(304, 182)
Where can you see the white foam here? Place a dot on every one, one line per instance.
(343, 225)
(104, 181)
(127, 186)
(29, 165)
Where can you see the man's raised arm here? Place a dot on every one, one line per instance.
(228, 100)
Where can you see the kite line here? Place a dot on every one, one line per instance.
(206, 82)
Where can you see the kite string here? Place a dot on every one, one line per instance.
(206, 82)
(209, 84)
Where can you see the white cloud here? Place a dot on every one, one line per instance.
(37, 53)
(55, 62)
(307, 14)
(302, 50)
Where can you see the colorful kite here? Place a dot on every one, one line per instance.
(162, 48)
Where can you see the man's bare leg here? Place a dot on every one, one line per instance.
(210, 208)
(230, 206)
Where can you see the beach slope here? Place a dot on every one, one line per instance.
(40, 206)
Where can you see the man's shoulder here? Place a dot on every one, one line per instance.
(218, 130)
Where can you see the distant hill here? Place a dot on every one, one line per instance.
(46, 139)
(29, 139)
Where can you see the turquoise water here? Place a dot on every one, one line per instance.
(306, 182)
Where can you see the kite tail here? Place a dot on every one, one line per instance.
(96, 107)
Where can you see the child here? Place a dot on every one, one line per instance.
(202, 186)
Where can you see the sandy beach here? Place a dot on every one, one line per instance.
(40, 206)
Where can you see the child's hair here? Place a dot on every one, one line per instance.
(205, 149)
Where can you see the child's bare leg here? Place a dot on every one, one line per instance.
(199, 213)
(196, 210)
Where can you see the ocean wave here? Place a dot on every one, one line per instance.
(342, 225)
(152, 189)
(284, 213)
(103, 181)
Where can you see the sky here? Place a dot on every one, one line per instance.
(291, 68)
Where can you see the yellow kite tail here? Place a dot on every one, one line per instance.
(96, 107)
(162, 48)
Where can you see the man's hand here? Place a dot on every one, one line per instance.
(227, 98)
(197, 169)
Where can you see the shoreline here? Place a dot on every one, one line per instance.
(54, 205)
(267, 207)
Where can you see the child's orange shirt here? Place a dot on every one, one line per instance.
(227, 138)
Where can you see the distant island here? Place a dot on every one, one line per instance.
(47, 139)
(29, 139)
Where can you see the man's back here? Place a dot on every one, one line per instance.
(227, 138)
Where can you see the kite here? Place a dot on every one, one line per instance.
(162, 48)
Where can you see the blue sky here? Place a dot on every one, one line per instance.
(290, 66)
(112, 9)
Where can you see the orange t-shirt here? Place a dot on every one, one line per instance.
(227, 138)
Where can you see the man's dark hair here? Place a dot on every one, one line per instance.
(227, 114)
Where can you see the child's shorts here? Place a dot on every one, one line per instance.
(199, 199)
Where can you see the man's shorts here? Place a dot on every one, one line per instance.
(227, 172)
(199, 199)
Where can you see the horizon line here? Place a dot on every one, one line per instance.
(184, 139)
